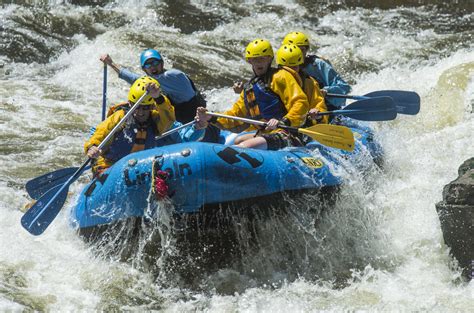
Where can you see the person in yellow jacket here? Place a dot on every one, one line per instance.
(153, 117)
(320, 69)
(290, 58)
(272, 95)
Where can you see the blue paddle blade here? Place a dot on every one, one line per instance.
(373, 109)
(43, 212)
(406, 102)
(46, 208)
(40, 185)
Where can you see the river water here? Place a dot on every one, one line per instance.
(380, 248)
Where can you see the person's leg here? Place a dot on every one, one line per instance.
(254, 143)
(273, 141)
(242, 138)
(278, 140)
(212, 134)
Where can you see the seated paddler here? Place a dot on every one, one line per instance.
(153, 117)
(272, 95)
(291, 58)
(320, 69)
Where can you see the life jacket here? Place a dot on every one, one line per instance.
(260, 101)
(131, 138)
(134, 137)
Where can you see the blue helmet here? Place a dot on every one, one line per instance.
(149, 54)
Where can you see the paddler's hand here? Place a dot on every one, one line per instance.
(93, 152)
(324, 92)
(202, 112)
(238, 87)
(106, 59)
(153, 89)
(272, 124)
(314, 114)
(201, 118)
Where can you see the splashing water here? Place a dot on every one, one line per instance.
(377, 246)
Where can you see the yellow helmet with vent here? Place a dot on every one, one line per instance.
(289, 55)
(258, 48)
(139, 88)
(296, 38)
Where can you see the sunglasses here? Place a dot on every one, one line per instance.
(152, 63)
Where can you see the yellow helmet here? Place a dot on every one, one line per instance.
(139, 88)
(296, 38)
(289, 55)
(258, 48)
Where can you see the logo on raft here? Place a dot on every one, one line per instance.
(245, 159)
(313, 162)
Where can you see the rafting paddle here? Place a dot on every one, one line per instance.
(406, 102)
(372, 109)
(44, 211)
(334, 136)
(41, 184)
(104, 92)
(174, 130)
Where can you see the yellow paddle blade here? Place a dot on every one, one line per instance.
(335, 136)
(332, 130)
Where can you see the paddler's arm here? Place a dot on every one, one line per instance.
(123, 73)
(102, 130)
(107, 59)
(192, 133)
(238, 109)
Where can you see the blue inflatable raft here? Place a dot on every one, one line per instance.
(204, 174)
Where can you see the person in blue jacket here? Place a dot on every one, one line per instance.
(175, 84)
(320, 69)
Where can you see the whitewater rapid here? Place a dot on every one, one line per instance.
(383, 237)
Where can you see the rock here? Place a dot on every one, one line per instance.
(460, 191)
(467, 165)
(456, 214)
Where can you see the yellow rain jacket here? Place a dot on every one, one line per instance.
(283, 85)
(313, 92)
(122, 144)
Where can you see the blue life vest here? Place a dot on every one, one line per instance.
(261, 102)
(124, 141)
